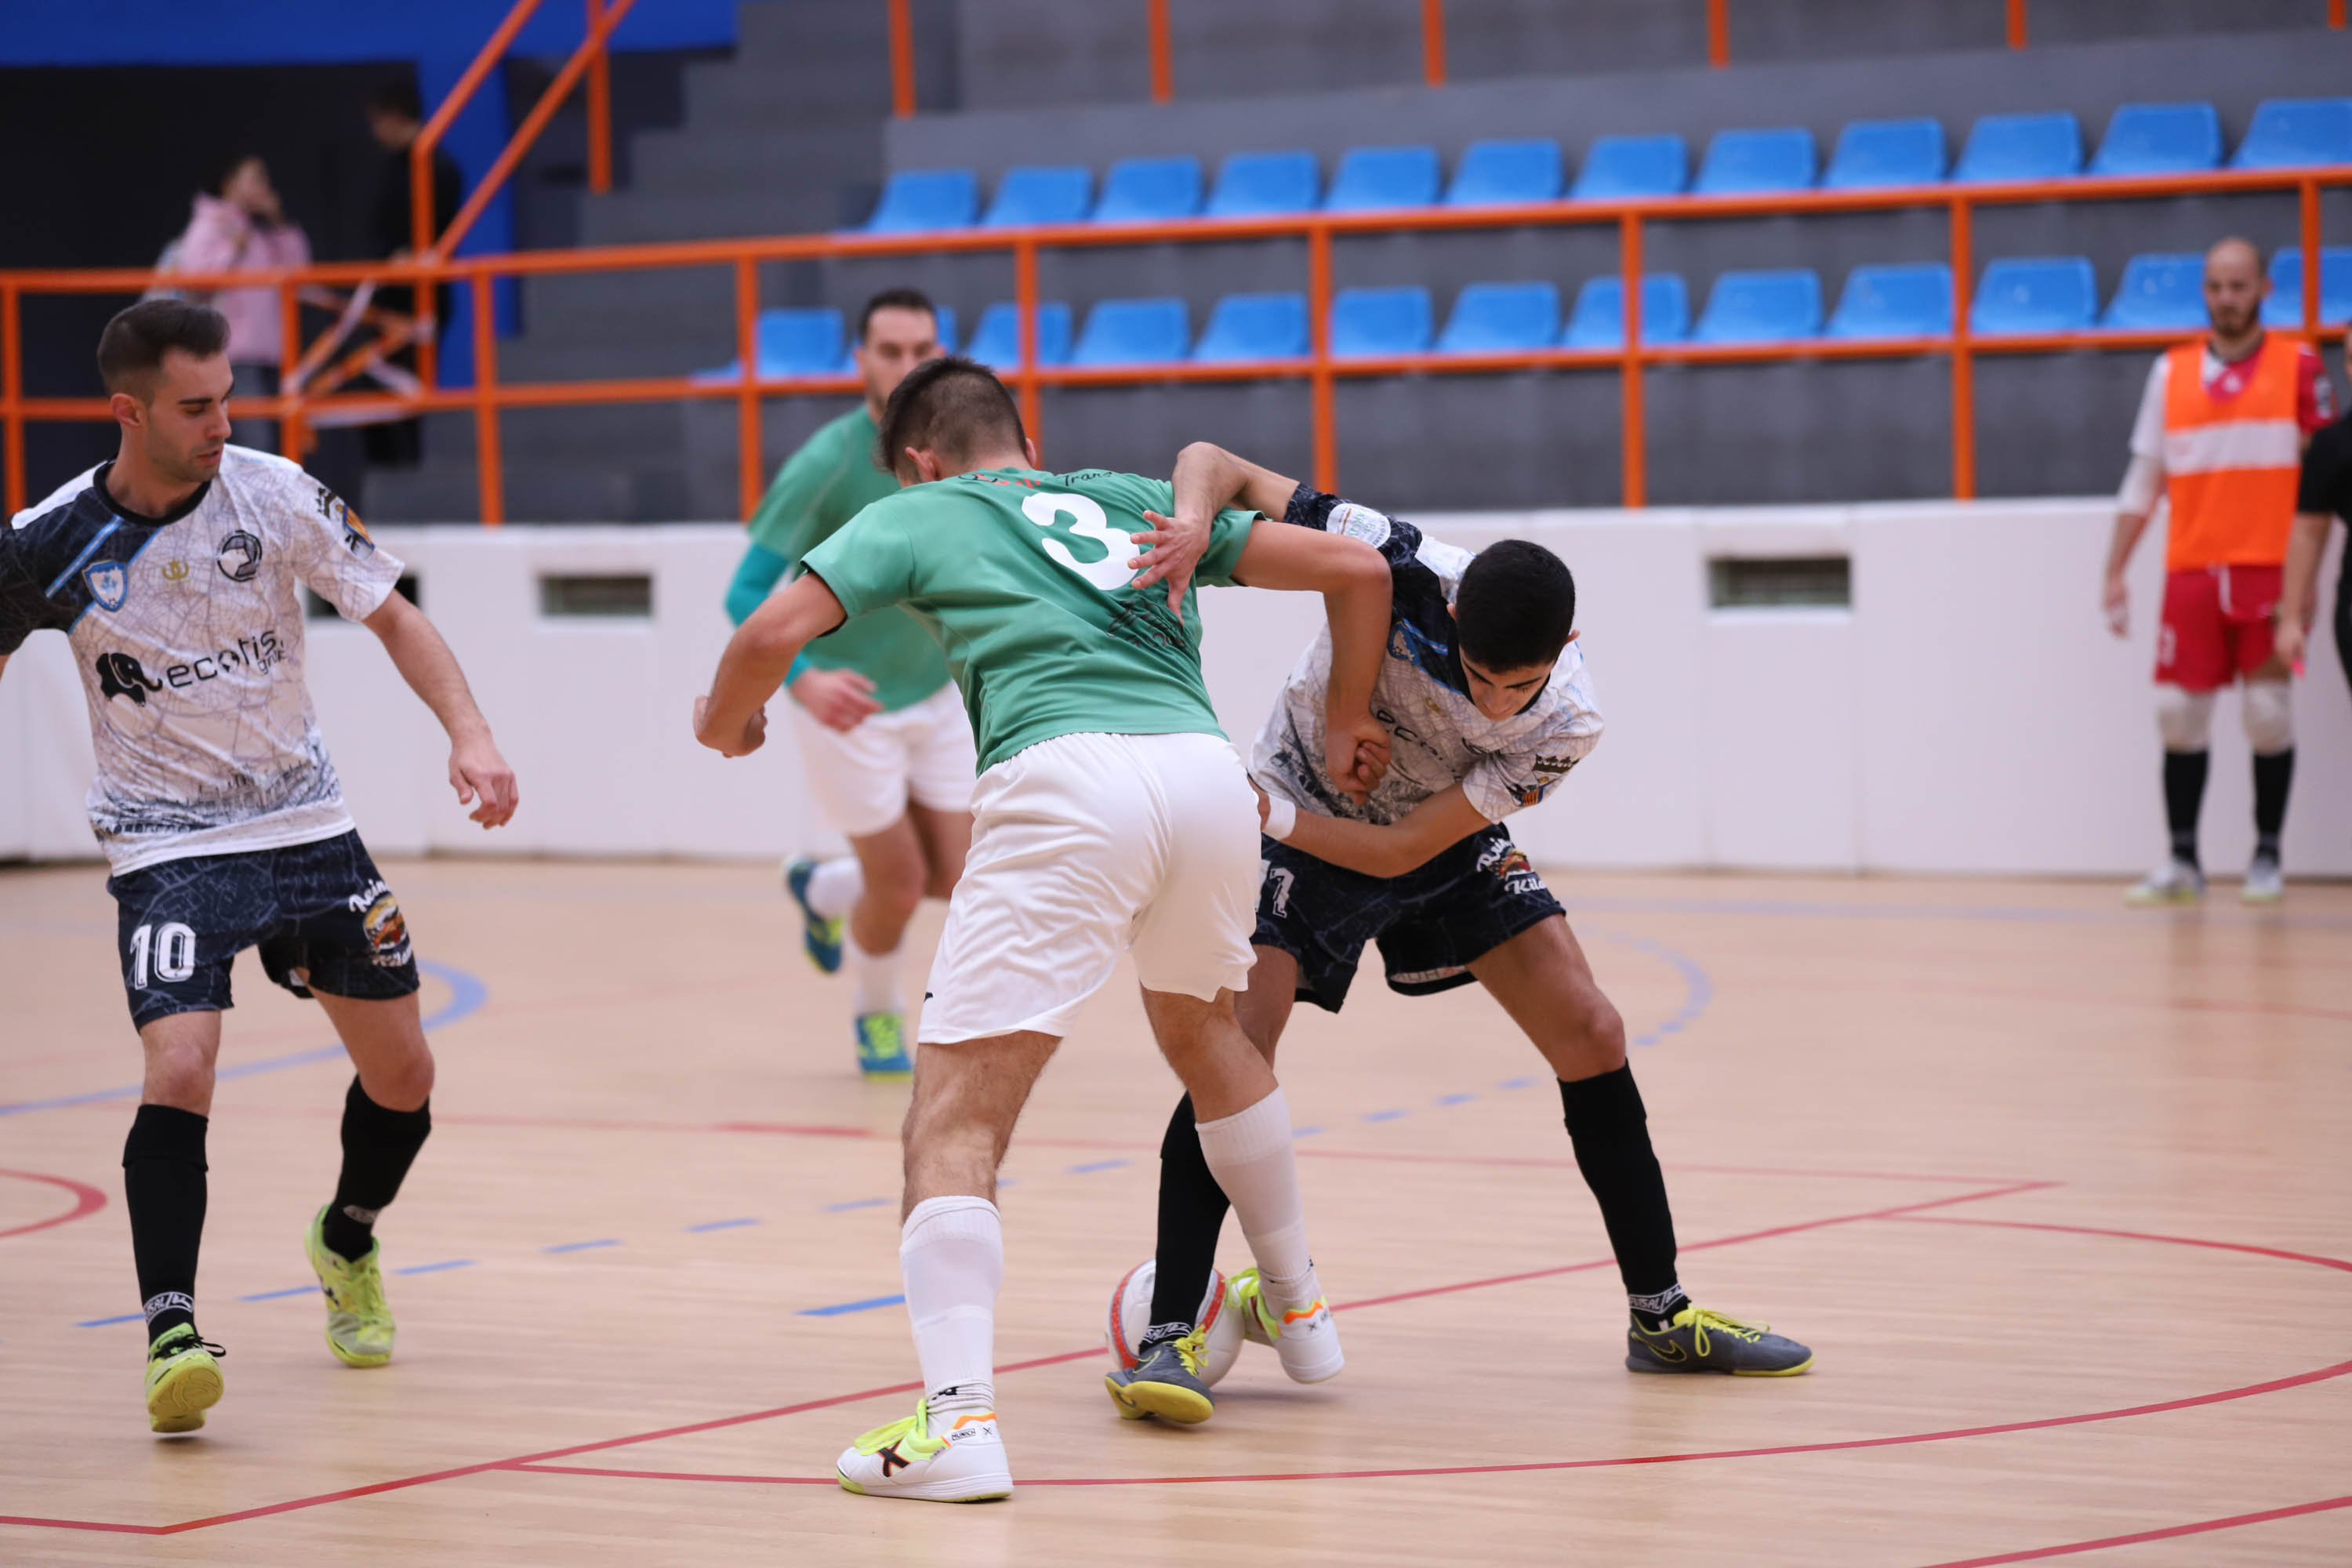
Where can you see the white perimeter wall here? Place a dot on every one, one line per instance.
(1970, 714)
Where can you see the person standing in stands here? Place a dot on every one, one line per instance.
(2220, 433)
(882, 730)
(395, 114)
(238, 226)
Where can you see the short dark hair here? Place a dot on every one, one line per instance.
(225, 169)
(1516, 606)
(895, 300)
(954, 406)
(397, 97)
(132, 347)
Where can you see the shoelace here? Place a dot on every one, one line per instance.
(181, 1347)
(1703, 1319)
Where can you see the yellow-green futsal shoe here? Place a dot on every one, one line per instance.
(183, 1380)
(359, 1322)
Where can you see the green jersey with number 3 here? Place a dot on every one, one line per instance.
(1023, 578)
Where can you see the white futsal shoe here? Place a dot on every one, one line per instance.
(963, 1464)
(2174, 883)
(2263, 884)
(1305, 1337)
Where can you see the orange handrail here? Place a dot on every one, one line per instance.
(1319, 368)
(1433, 43)
(599, 112)
(902, 61)
(2017, 24)
(1163, 61)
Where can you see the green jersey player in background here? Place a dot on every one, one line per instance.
(1111, 816)
(882, 735)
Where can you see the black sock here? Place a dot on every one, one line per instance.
(378, 1146)
(2272, 775)
(1191, 1212)
(1610, 1133)
(2184, 797)
(164, 1189)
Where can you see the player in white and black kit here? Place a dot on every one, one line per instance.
(1488, 705)
(176, 572)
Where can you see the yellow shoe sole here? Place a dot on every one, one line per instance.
(349, 1358)
(178, 1401)
(1170, 1402)
(1804, 1365)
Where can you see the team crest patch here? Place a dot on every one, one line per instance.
(386, 927)
(109, 584)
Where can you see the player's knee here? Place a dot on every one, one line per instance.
(2185, 719)
(894, 898)
(401, 1086)
(1590, 1036)
(2268, 714)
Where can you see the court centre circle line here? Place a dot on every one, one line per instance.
(88, 1200)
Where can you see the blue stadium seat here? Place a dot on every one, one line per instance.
(1149, 189)
(1383, 177)
(1372, 323)
(1254, 326)
(1134, 332)
(1252, 182)
(996, 342)
(2288, 132)
(2159, 139)
(1618, 168)
(2159, 293)
(2035, 294)
(1493, 173)
(1873, 153)
(798, 342)
(2284, 306)
(1910, 300)
(926, 198)
(2021, 147)
(943, 314)
(1598, 322)
(1041, 193)
(1495, 317)
(1739, 161)
(1761, 307)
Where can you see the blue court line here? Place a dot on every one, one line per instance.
(436, 1268)
(1382, 1116)
(1305, 1132)
(280, 1295)
(1517, 1083)
(466, 995)
(719, 1225)
(582, 1246)
(1090, 1169)
(102, 1322)
(865, 1306)
(1456, 1099)
(864, 1204)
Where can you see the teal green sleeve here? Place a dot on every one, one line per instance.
(791, 518)
(869, 562)
(1228, 536)
(755, 578)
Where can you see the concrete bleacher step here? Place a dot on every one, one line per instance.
(631, 488)
(758, 209)
(688, 161)
(567, 359)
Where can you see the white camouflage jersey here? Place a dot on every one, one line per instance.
(188, 630)
(1439, 737)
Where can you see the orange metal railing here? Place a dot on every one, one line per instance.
(1319, 368)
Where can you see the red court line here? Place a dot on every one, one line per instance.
(716, 1424)
(88, 1200)
(2319, 1375)
(1540, 1162)
(2167, 1533)
(2079, 998)
(2346, 1265)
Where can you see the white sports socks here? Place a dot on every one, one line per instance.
(876, 974)
(834, 885)
(952, 1256)
(1250, 1155)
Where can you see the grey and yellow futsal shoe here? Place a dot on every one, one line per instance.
(1165, 1383)
(1696, 1339)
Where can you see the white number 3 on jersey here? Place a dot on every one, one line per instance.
(1047, 508)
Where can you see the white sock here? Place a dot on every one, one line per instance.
(1250, 1155)
(952, 1256)
(834, 885)
(877, 978)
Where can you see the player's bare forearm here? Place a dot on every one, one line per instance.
(1354, 581)
(2129, 526)
(2298, 592)
(477, 771)
(1208, 478)
(730, 719)
(1435, 826)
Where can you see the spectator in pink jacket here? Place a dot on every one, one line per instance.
(237, 226)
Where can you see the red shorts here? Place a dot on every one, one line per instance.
(2217, 626)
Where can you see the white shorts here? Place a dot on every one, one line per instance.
(863, 779)
(1086, 846)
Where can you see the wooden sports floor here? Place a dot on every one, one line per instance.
(2056, 1190)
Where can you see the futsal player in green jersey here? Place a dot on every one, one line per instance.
(1111, 816)
(883, 738)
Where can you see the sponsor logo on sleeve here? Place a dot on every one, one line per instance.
(109, 584)
(240, 557)
(1359, 522)
(335, 510)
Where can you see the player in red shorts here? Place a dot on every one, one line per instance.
(2220, 435)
